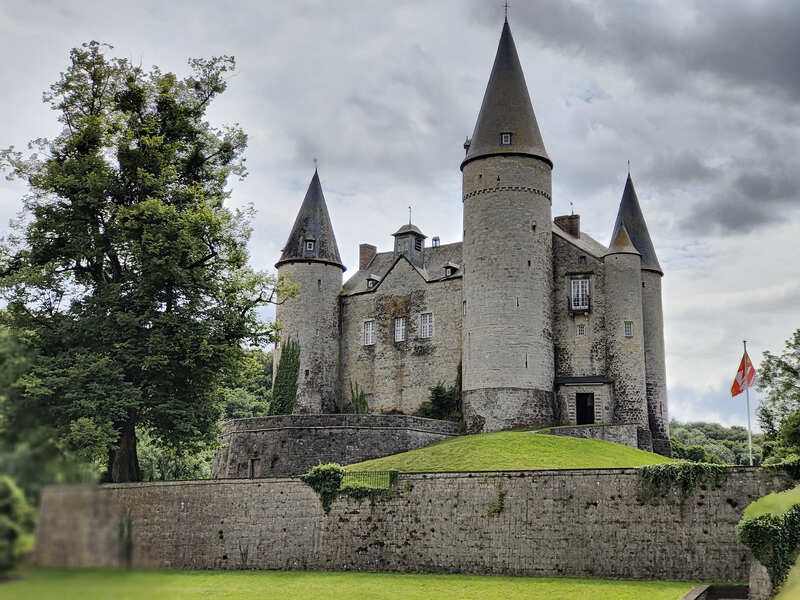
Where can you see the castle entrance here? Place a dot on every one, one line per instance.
(584, 409)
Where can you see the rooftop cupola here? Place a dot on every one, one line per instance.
(312, 237)
(506, 122)
(630, 219)
(409, 241)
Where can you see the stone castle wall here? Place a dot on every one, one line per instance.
(578, 523)
(396, 376)
(290, 445)
(619, 434)
(655, 368)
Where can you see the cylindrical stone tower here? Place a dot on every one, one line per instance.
(631, 219)
(625, 335)
(312, 317)
(507, 342)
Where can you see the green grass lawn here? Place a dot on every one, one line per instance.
(776, 503)
(513, 450)
(61, 584)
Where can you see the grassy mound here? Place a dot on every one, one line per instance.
(775, 503)
(512, 450)
(62, 584)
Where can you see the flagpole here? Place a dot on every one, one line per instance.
(747, 395)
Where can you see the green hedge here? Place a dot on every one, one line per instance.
(774, 540)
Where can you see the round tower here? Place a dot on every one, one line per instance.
(631, 218)
(311, 259)
(507, 347)
(625, 335)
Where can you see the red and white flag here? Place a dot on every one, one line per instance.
(745, 376)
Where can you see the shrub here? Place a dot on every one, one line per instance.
(285, 390)
(358, 399)
(774, 541)
(16, 519)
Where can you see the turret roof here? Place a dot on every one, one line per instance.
(506, 108)
(621, 244)
(409, 228)
(630, 218)
(313, 223)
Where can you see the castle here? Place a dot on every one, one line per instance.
(546, 325)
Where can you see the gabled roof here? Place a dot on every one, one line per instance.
(631, 218)
(506, 108)
(312, 223)
(585, 242)
(383, 262)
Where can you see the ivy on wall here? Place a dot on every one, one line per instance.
(658, 480)
(330, 481)
(284, 390)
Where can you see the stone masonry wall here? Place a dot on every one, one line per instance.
(581, 523)
(619, 434)
(292, 444)
(397, 376)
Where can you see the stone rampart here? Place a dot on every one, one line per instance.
(619, 434)
(579, 523)
(290, 445)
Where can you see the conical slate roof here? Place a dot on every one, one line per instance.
(313, 224)
(621, 244)
(506, 108)
(631, 219)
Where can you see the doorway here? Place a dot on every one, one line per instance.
(584, 409)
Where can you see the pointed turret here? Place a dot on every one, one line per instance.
(631, 219)
(312, 237)
(621, 244)
(506, 122)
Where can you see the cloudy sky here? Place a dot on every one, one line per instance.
(701, 97)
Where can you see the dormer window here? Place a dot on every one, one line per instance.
(372, 281)
(505, 139)
(448, 271)
(309, 245)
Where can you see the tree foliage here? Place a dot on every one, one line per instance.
(713, 443)
(779, 382)
(16, 519)
(285, 390)
(247, 391)
(125, 278)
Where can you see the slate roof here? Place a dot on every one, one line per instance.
(313, 223)
(621, 244)
(506, 108)
(409, 228)
(586, 242)
(435, 260)
(630, 216)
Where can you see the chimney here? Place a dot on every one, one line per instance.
(366, 252)
(571, 224)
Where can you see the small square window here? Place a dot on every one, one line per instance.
(628, 329)
(505, 139)
(310, 245)
(426, 325)
(371, 283)
(582, 260)
(580, 329)
(400, 329)
(369, 332)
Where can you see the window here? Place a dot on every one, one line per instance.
(582, 259)
(629, 329)
(505, 139)
(418, 244)
(464, 308)
(310, 245)
(580, 329)
(400, 329)
(426, 325)
(579, 294)
(448, 271)
(369, 332)
(371, 283)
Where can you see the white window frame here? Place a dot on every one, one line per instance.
(628, 329)
(505, 138)
(309, 245)
(400, 329)
(580, 329)
(369, 332)
(579, 294)
(426, 325)
(371, 283)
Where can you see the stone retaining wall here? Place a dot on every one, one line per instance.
(578, 523)
(619, 434)
(290, 445)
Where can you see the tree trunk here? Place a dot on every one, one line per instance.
(124, 463)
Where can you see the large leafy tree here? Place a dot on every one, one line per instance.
(126, 278)
(779, 380)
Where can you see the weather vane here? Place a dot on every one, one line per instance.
(315, 164)
(409, 215)
(571, 208)
(506, 9)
